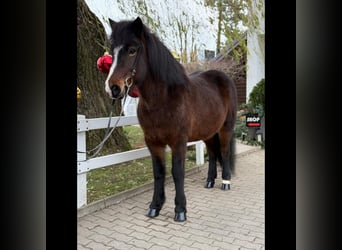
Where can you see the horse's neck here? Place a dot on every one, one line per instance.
(155, 94)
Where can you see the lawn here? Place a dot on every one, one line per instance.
(110, 180)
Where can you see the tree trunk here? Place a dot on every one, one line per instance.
(92, 42)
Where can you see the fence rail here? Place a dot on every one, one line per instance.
(84, 165)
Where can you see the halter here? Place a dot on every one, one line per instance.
(129, 80)
(108, 131)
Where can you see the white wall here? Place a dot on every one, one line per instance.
(256, 52)
(130, 106)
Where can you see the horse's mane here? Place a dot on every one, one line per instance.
(164, 67)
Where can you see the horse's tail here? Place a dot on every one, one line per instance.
(217, 148)
(231, 153)
(231, 156)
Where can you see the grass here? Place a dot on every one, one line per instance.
(107, 181)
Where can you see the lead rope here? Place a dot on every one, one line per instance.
(108, 133)
(128, 84)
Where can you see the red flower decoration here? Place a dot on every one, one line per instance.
(133, 92)
(103, 64)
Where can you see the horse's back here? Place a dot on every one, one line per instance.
(212, 98)
(215, 80)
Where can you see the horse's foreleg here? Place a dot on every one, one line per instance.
(158, 162)
(178, 161)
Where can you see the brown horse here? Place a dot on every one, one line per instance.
(173, 108)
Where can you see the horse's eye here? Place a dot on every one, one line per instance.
(132, 51)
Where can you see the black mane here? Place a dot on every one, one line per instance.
(164, 67)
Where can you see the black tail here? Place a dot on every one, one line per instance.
(231, 153)
(231, 157)
(217, 148)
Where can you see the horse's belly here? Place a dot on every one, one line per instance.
(204, 129)
(204, 134)
(167, 128)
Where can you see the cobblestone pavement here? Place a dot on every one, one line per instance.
(216, 219)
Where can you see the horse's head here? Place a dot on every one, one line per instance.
(129, 59)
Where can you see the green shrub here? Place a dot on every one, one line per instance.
(256, 101)
(255, 105)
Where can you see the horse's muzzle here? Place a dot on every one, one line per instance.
(116, 91)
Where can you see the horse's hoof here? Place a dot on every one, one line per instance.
(209, 184)
(225, 187)
(180, 217)
(152, 212)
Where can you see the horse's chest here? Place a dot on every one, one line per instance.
(160, 124)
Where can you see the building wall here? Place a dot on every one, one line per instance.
(256, 52)
(241, 91)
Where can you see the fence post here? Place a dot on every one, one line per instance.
(199, 153)
(81, 177)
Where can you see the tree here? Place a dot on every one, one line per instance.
(92, 42)
(234, 17)
(143, 9)
(185, 27)
(180, 24)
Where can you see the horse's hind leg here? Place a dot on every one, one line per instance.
(227, 144)
(211, 146)
(158, 162)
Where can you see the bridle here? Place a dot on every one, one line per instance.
(130, 80)
(128, 83)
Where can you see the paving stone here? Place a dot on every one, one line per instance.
(216, 219)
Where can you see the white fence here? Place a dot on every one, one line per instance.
(84, 165)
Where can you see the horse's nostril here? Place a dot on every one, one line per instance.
(116, 90)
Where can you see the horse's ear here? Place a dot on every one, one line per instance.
(137, 26)
(111, 22)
